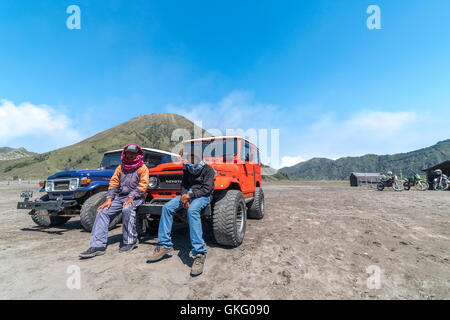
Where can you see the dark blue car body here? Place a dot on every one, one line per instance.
(61, 198)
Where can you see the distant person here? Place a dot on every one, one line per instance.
(390, 175)
(125, 193)
(197, 187)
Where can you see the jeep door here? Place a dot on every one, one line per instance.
(255, 163)
(246, 173)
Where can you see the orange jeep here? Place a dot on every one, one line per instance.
(237, 195)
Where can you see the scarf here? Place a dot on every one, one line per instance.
(129, 165)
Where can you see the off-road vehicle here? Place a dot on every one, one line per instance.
(80, 192)
(238, 190)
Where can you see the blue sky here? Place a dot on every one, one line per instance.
(311, 69)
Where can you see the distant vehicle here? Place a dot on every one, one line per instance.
(389, 182)
(440, 181)
(72, 193)
(416, 181)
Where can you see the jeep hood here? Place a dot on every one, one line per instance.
(82, 173)
(171, 166)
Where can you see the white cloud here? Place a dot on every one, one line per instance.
(238, 114)
(237, 110)
(291, 161)
(372, 131)
(37, 123)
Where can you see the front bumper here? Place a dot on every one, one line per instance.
(154, 208)
(53, 205)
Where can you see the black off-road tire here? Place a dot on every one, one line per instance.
(380, 186)
(47, 221)
(256, 209)
(228, 207)
(89, 211)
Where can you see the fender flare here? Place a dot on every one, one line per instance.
(222, 183)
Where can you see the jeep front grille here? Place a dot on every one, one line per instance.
(61, 185)
(170, 182)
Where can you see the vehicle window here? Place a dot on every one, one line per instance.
(213, 148)
(252, 154)
(170, 158)
(111, 160)
(245, 152)
(258, 159)
(151, 160)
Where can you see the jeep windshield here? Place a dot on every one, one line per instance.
(222, 148)
(111, 160)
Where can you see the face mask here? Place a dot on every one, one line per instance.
(194, 169)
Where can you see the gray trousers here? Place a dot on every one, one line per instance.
(99, 234)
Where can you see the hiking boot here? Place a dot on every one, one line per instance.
(127, 247)
(92, 252)
(199, 263)
(158, 253)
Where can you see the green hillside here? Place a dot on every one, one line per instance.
(270, 174)
(152, 131)
(340, 169)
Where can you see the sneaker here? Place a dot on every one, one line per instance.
(158, 253)
(199, 263)
(127, 247)
(92, 252)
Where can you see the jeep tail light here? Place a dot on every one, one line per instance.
(42, 184)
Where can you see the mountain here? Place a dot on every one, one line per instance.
(271, 174)
(151, 130)
(340, 169)
(6, 150)
(7, 153)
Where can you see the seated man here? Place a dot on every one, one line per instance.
(126, 192)
(197, 187)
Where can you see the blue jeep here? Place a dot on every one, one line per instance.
(78, 192)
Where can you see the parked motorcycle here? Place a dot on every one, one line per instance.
(441, 181)
(390, 182)
(416, 181)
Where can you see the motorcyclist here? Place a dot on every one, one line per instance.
(390, 176)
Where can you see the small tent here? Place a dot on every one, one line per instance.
(359, 178)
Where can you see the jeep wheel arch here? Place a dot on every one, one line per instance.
(226, 183)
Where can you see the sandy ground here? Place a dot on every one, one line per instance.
(317, 241)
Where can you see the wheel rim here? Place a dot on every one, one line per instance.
(240, 218)
(421, 185)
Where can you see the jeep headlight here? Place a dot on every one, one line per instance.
(49, 186)
(152, 182)
(73, 185)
